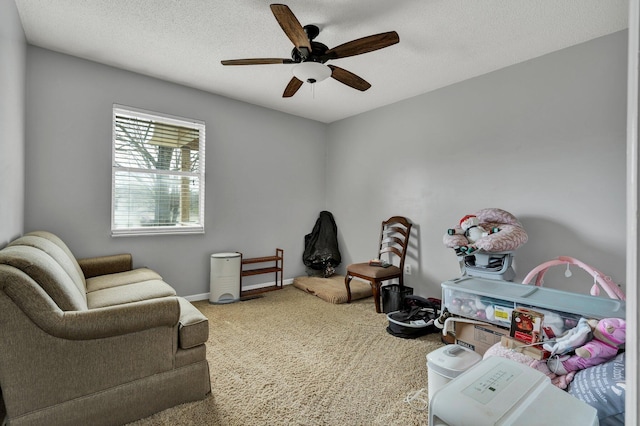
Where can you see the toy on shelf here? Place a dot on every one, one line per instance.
(526, 325)
(609, 334)
(485, 243)
(600, 280)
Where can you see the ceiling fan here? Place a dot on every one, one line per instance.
(311, 55)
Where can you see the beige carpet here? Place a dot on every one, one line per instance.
(289, 358)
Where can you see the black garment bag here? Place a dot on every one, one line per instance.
(321, 254)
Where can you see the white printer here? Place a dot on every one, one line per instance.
(500, 391)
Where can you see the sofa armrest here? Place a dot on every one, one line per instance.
(117, 320)
(92, 323)
(103, 265)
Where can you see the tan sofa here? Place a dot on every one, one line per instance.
(93, 341)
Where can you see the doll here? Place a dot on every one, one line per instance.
(609, 335)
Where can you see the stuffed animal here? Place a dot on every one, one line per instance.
(571, 339)
(470, 227)
(608, 335)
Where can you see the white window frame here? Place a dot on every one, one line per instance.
(180, 228)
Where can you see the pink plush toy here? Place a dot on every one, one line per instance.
(608, 335)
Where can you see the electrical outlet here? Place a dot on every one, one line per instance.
(407, 269)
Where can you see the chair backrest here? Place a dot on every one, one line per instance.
(394, 240)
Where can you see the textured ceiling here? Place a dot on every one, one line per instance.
(441, 42)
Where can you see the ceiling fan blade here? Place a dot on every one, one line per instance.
(292, 88)
(349, 78)
(292, 28)
(256, 61)
(363, 45)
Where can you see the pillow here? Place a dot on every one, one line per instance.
(511, 235)
(603, 387)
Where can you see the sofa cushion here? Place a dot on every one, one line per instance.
(48, 273)
(57, 241)
(194, 326)
(102, 282)
(128, 293)
(60, 254)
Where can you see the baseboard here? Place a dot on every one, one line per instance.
(205, 296)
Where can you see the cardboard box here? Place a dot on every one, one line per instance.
(479, 337)
(526, 325)
(535, 352)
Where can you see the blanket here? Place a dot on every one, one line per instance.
(562, 381)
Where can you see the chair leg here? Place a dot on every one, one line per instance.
(347, 284)
(375, 288)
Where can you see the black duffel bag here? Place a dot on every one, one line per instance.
(415, 320)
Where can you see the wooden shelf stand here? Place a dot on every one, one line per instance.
(276, 268)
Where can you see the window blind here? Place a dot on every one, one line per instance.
(158, 173)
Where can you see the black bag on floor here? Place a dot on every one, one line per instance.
(415, 320)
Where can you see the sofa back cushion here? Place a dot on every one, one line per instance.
(58, 250)
(48, 273)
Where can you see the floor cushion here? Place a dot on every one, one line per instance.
(332, 289)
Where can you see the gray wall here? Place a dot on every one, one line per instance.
(544, 139)
(265, 170)
(12, 122)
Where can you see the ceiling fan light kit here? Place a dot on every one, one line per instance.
(311, 72)
(310, 55)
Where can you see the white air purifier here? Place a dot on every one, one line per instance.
(501, 392)
(225, 278)
(447, 363)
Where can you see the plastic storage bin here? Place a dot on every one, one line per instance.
(493, 301)
(393, 297)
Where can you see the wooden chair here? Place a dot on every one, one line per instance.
(394, 241)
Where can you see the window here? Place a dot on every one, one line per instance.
(158, 174)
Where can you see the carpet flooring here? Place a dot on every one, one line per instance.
(289, 358)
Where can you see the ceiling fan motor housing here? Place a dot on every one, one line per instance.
(312, 31)
(318, 51)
